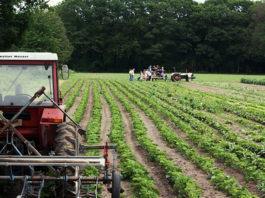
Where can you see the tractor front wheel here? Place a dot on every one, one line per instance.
(65, 146)
(116, 184)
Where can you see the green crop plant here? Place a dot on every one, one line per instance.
(223, 150)
(74, 94)
(66, 90)
(80, 110)
(139, 177)
(184, 185)
(199, 120)
(218, 177)
(93, 128)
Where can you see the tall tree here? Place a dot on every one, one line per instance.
(14, 20)
(46, 33)
(257, 39)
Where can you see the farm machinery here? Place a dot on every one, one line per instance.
(178, 76)
(37, 146)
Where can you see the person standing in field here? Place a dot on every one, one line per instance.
(149, 74)
(131, 73)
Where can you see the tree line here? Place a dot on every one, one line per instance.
(221, 36)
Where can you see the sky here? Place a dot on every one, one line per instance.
(55, 2)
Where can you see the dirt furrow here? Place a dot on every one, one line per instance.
(104, 131)
(71, 111)
(157, 173)
(89, 108)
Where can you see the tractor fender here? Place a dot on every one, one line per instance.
(50, 118)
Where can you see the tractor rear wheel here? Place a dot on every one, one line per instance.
(65, 146)
(175, 77)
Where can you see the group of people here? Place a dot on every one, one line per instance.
(154, 71)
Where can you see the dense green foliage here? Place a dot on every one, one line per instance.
(29, 25)
(253, 81)
(216, 36)
(46, 32)
(14, 20)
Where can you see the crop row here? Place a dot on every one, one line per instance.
(193, 116)
(217, 176)
(256, 131)
(70, 101)
(81, 108)
(222, 150)
(184, 185)
(66, 90)
(253, 81)
(237, 92)
(131, 169)
(201, 127)
(93, 128)
(212, 103)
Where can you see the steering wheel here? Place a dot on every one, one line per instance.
(29, 96)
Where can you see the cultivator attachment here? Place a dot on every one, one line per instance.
(12, 158)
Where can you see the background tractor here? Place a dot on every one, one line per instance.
(36, 144)
(178, 76)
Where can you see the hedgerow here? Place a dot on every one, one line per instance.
(252, 81)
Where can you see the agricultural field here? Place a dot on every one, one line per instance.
(200, 139)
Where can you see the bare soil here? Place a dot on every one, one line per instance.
(104, 132)
(89, 108)
(157, 173)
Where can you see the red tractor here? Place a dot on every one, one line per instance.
(36, 144)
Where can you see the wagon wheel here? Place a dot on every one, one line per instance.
(116, 184)
(65, 146)
(175, 77)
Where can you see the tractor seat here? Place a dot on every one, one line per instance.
(16, 100)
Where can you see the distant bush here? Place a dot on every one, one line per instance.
(253, 81)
